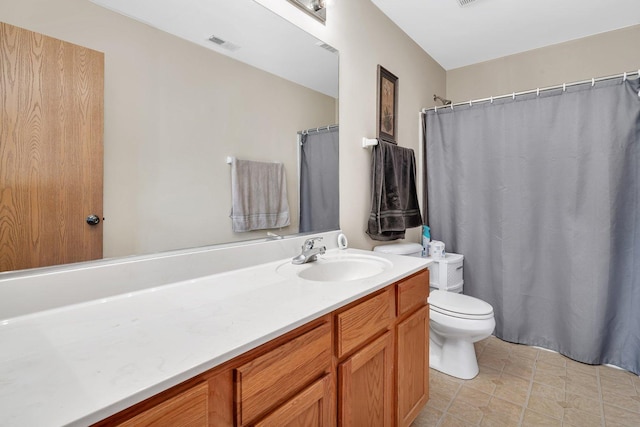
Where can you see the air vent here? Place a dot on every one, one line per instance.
(223, 43)
(327, 47)
(465, 2)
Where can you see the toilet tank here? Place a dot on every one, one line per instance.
(408, 249)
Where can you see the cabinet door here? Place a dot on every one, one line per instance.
(366, 385)
(413, 366)
(188, 409)
(312, 407)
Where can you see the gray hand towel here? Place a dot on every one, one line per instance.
(394, 201)
(258, 196)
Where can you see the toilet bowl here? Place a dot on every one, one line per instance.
(457, 321)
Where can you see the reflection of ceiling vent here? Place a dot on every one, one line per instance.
(223, 43)
(327, 47)
(465, 2)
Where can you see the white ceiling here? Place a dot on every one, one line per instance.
(456, 36)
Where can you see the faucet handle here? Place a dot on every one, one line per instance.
(308, 244)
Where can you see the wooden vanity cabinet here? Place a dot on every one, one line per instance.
(187, 409)
(365, 392)
(412, 349)
(265, 381)
(312, 407)
(385, 382)
(365, 377)
(365, 364)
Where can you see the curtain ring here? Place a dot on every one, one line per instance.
(491, 99)
(593, 81)
(624, 77)
(538, 92)
(513, 96)
(564, 87)
(470, 103)
(435, 108)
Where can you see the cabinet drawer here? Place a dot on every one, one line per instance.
(413, 292)
(358, 324)
(312, 407)
(274, 377)
(189, 408)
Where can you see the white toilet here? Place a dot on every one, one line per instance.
(456, 321)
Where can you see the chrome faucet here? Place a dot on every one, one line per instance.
(309, 251)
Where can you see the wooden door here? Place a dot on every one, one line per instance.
(51, 131)
(312, 407)
(413, 366)
(365, 396)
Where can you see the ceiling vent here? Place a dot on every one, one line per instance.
(223, 43)
(327, 47)
(465, 2)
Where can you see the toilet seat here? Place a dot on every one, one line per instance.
(459, 305)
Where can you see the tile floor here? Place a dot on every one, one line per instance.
(525, 386)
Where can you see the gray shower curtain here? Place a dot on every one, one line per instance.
(541, 195)
(319, 189)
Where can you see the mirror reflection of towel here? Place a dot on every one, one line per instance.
(258, 196)
(394, 201)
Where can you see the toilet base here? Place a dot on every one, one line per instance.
(454, 357)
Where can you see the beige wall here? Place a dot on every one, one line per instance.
(597, 56)
(173, 112)
(366, 38)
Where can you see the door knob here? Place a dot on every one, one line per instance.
(93, 220)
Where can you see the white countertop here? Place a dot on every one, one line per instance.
(78, 364)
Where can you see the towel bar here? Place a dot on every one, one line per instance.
(369, 142)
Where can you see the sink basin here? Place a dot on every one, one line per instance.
(337, 268)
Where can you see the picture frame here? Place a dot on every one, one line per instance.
(387, 114)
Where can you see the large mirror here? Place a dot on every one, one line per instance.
(187, 85)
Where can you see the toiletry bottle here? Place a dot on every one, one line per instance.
(426, 238)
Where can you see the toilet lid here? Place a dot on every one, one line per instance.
(459, 305)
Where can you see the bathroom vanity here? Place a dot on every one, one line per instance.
(246, 346)
(341, 366)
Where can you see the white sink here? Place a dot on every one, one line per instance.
(340, 267)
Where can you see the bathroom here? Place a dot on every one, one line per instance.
(377, 41)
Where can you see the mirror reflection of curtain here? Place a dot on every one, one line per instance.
(319, 189)
(542, 196)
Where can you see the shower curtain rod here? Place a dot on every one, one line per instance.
(537, 91)
(314, 130)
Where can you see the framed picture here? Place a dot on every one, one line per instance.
(387, 106)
